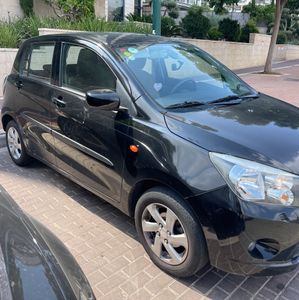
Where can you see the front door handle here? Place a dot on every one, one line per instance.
(58, 102)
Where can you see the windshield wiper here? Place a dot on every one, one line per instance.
(186, 104)
(229, 99)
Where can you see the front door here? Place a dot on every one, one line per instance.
(89, 142)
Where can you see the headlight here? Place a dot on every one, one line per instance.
(255, 182)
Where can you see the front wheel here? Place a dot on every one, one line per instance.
(170, 233)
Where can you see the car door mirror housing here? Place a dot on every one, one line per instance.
(103, 98)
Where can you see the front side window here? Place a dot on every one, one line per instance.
(83, 70)
(39, 62)
(175, 73)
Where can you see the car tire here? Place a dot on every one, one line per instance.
(170, 232)
(15, 145)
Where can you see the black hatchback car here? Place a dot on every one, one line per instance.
(161, 130)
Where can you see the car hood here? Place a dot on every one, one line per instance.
(262, 129)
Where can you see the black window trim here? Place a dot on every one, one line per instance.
(28, 53)
(62, 55)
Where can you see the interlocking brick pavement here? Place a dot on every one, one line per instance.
(103, 241)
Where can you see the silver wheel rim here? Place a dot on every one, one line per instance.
(165, 234)
(14, 143)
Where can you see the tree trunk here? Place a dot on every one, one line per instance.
(253, 4)
(278, 13)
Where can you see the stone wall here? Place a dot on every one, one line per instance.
(237, 55)
(7, 57)
(10, 9)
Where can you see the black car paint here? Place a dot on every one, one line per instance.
(173, 151)
(36, 265)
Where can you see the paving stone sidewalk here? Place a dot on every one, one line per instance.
(104, 242)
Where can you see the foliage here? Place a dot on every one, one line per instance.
(250, 27)
(215, 34)
(263, 15)
(11, 34)
(72, 9)
(137, 18)
(168, 27)
(194, 24)
(230, 29)
(8, 36)
(218, 5)
(282, 38)
(292, 4)
(171, 8)
(290, 23)
(27, 7)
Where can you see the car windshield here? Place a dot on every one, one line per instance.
(178, 73)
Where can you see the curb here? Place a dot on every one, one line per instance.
(2, 132)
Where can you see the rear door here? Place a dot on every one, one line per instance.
(89, 141)
(34, 97)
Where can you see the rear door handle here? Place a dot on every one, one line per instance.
(19, 84)
(58, 102)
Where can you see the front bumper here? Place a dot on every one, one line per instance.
(247, 238)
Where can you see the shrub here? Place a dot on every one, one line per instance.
(282, 38)
(73, 9)
(195, 25)
(263, 14)
(12, 33)
(250, 27)
(8, 36)
(168, 27)
(137, 18)
(27, 7)
(215, 34)
(230, 29)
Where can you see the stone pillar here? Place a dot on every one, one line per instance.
(129, 7)
(101, 8)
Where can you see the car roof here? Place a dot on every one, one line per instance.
(111, 39)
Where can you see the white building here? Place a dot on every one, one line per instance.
(107, 9)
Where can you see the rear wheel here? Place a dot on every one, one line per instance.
(170, 233)
(15, 145)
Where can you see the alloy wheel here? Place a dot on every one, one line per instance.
(14, 143)
(165, 233)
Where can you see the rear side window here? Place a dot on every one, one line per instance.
(84, 70)
(38, 64)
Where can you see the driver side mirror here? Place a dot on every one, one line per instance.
(103, 98)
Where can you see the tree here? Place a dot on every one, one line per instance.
(195, 25)
(280, 4)
(171, 8)
(27, 7)
(218, 5)
(293, 4)
(72, 9)
(230, 29)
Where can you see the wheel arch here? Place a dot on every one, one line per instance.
(5, 120)
(143, 185)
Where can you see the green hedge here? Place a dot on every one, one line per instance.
(11, 34)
